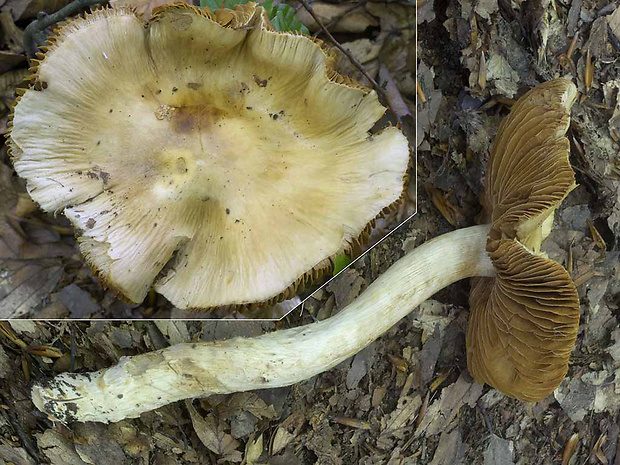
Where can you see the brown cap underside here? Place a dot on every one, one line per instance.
(524, 321)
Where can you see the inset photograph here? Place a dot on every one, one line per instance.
(176, 161)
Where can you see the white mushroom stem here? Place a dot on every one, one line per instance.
(148, 381)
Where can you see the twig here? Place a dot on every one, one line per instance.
(73, 351)
(336, 19)
(32, 31)
(392, 94)
(25, 439)
(356, 63)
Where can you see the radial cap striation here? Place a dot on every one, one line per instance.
(207, 155)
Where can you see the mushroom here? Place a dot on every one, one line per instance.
(207, 155)
(524, 307)
(524, 320)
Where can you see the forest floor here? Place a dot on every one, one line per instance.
(407, 398)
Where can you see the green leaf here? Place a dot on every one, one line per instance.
(282, 16)
(340, 263)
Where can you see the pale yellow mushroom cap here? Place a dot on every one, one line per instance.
(222, 162)
(524, 321)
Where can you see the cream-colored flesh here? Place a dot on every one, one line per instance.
(227, 151)
(145, 382)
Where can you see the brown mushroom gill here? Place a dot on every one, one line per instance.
(524, 307)
(524, 321)
(229, 151)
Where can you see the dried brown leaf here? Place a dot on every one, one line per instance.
(445, 409)
(246, 402)
(338, 17)
(211, 432)
(24, 283)
(253, 449)
(598, 239)
(449, 211)
(570, 448)
(6, 331)
(399, 363)
(45, 351)
(450, 449)
(402, 418)
(142, 7)
(588, 77)
(25, 9)
(352, 422)
(10, 60)
(439, 380)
